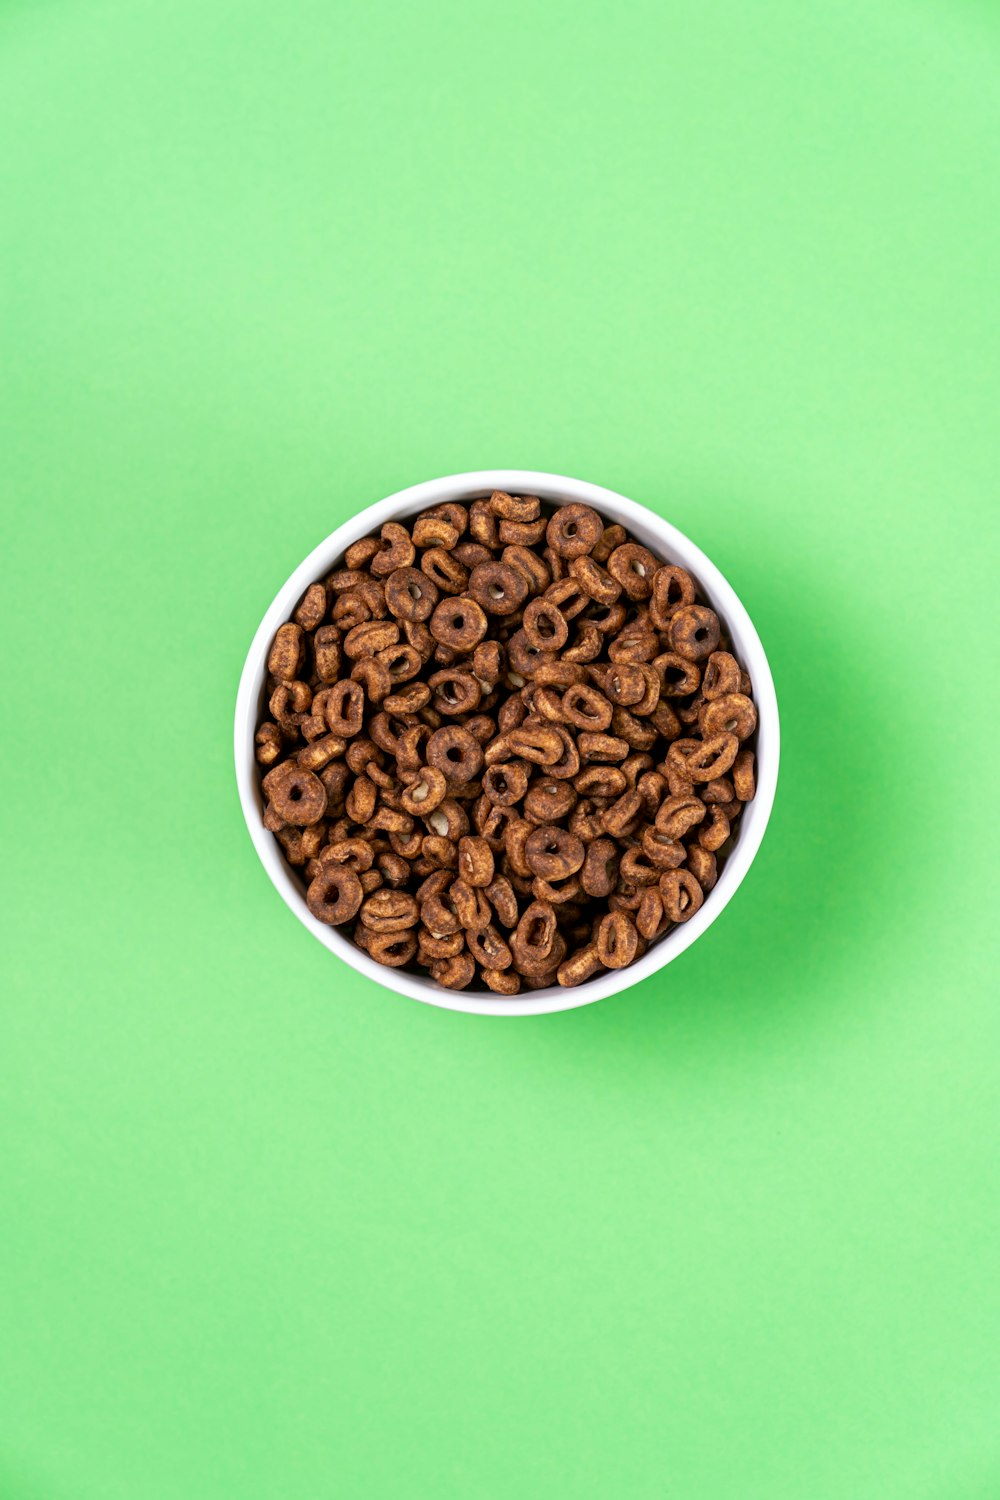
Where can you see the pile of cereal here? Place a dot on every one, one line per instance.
(506, 744)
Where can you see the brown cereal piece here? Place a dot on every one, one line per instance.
(533, 940)
(694, 631)
(502, 981)
(580, 966)
(488, 949)
(732, 713)
(704, 760)
(672, 589)
(410, 594)
(713, 834)
(455, 973)
(545, 626)
(445, 570)
(297, 795)
(475, 861)
(721, 675)
(682, 894)
(678, 677)
(458, 622)
(553, 853)
(434, 531)
(533, 568)
(287, 653)
(268, 744)
(394, 949)
(633, 567)
(549, 801)
(586, 708)
(389, 911)
(611, 537)
(455, 752)
(744, 783)
(498, 588)
(617, 941)
(523, 508)
(335, 895)
(397, 550)
(703, 867)
(313, 607)
(573, 531)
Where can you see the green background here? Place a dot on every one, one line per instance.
(270, 1232)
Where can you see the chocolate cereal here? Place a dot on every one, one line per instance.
(505, 745)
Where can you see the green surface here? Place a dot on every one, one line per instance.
(269, 1232)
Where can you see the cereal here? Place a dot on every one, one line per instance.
(506, 746)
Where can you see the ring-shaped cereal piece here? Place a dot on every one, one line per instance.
(455, 973)
(678, 675)
(617, 940)
(455, 752)
(624, 684)
(733, 713)
(425, 791)
(373, 674)
(672, 588)
(497, 587)
(713, 835)
(545, 626)
(434, 531)
(401, 662)
(549, 801)
(710, 758)
(721, 675)
(296, 795)
(515, 507)
(489, 949)
(459, 622)
(533, 939)
(540, 743)
(586, 708)
(573, 531)
(505, 784)
(682, 894)
(600, 781)
(393, 949)
(344, 708)
(650, 919)
(533, 568)
(287, 652)
(397, 551)
(694, 631)
(326, 652)
(475, 860)
(525, 658)
(553, 853)
(410, 594)
(335, 895)
(662, 851)
(455, 692)
(678, 815)
(593, 579)
(444, 569)
(386, 910)
(633, 567)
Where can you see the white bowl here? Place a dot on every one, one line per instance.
(666, 542)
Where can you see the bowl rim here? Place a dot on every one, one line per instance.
(676, 547)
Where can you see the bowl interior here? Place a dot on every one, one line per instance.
(668, 545)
